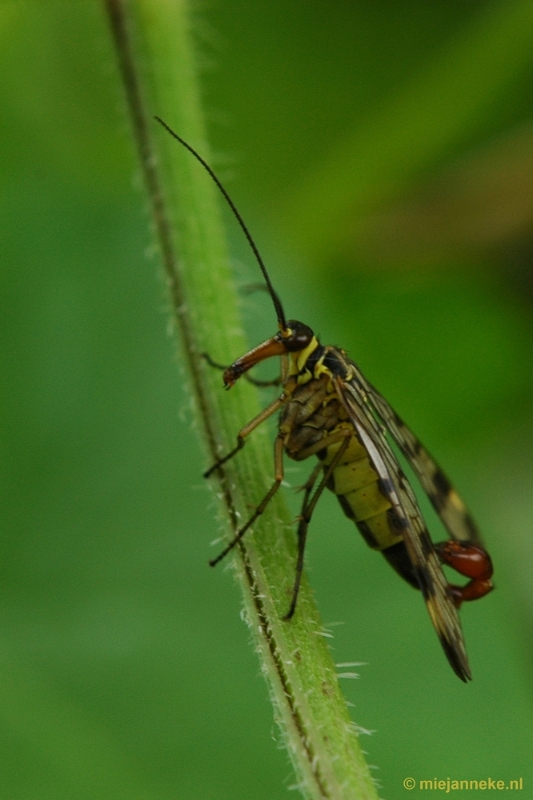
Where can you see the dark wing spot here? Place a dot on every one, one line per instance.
(386, 486)
(397, 522)
(427, 544)
(425, 581)
(399, 422)
(442, 484)
(398, 558)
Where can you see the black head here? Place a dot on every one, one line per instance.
(296, 336)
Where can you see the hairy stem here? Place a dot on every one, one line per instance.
(152, 41)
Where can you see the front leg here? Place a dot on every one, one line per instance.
(244, 432)
(278, 465)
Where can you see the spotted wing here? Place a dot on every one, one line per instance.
(409, 520)
(443, 497)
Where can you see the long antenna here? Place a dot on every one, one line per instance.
(275, 299)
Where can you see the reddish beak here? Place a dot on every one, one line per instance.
(272, 347)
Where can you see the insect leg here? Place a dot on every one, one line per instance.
(212, 362)
(278, 463)
(310, 482)
(262, 384)
(243, 433)
(307, 512)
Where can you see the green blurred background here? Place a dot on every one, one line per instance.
(382, 154)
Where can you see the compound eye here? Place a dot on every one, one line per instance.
(300, 337)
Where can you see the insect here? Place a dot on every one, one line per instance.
(328, 409)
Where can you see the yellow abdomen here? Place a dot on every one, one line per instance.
(356, 484)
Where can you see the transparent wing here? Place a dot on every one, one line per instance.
(409, 520)
(445, 500)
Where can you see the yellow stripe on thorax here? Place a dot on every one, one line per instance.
(298, 360)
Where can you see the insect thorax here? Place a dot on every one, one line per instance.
(317, 361)
(313, 409)
(312, 412)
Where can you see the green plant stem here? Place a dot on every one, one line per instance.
(152, 40)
